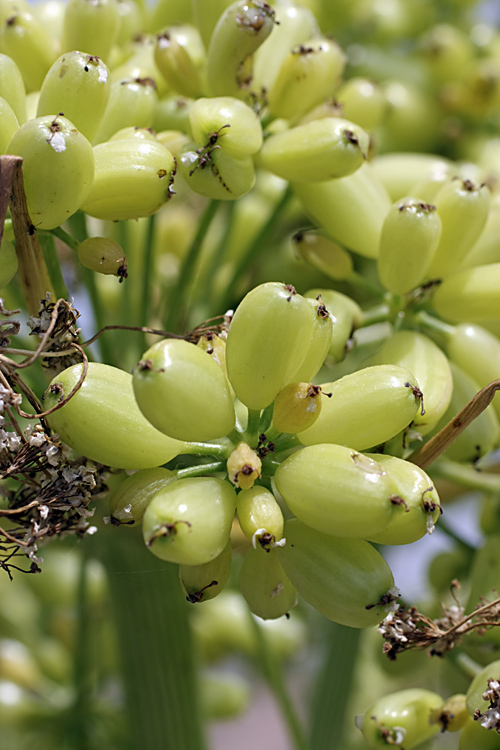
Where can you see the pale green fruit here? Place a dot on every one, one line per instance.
(103, 422)
(183, 392)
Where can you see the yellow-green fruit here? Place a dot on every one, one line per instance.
(469, 296)
(203, 582)
(128, 502)
(323, 253)
(260, 516)
(8, 262)
(226, 122)
(12, 87)
(422, 357)
(404, 719)
(366, 408)
(267, 590)
(90, 26)
(296, 407)
(25, 40)
(103, 255)
(318, 150)
(350, 209)
(133, 178)
(58, 168)
(103, 422)
(8, 124)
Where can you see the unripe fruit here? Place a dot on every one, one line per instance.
(58, 168)
(346, 580)
(319, 344)
(427, 362)
(244, 466)
(133, 179)
(8, 124)
(318, 150)
(189, 521)
(103, 255)
(203, 582)
(264, 584)
(267, 341)
(350, 209)
(102, 420)
(419, 508)
(216, 174)
(337, 490)
(296, 407)
(410, 236)
(234, 125)
(25, 40)
(183, 392)
(347, 315)
(90, 26)
(403, 719)
(323, 253)
(8, 262)
(12, 87)
(132, 102)
(128, 502)
(469, 296)
(260, 516)
(367, 408)
(78, 85)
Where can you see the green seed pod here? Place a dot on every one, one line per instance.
(224, 696)
(260, 517)
(25, 40)
(411, 118)
(189, 521)
(264, 584)
(367, 408)
(487, 248)
(90, 27)
(419, 508)
(463, 210)
(410, 236)
(363, 102)
(469, 296)
(241, 29)
(479, 685)
(227, 122)
(399, 173)
(133, 179)
(296, 25)
(267, 342)
(8, 262)
(319, 343)
(323, 253)
(131, 102)
(183, 392)
(216, 174)
(337, 490)
(422, 357)
(448, 52)
(179, 54)
(308, 75)
(172, 113)
(142, 134)
(214, 345)
(347, 315)
(477, 351)
(402, 717)
(130, 20)
(475, 737)
(128, 502)
(203, 582)
(453, 714)
(350, 209)
(12, 87)
(102, 420)
(483, 434)
(58, 168)
(346, 580)
(103, 255)
(9, 7)
(315, 151)
(8, 124)
(296, 407)
(78, 85)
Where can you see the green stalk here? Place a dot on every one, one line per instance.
(201, 470)
(147, 275)
(252, 430)
(53, 266)
(177, 304)
(465, 476)
(256, 248)
(272, 671)
(333, 686)
(154, 637)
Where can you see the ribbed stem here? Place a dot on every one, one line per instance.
(158, 668)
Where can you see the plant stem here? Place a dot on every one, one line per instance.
(273, 673)
(466, 476)
(255, 249)
(201, 470)
(252, 430)
(333, 686)
(147, 271)
(53, 266)
(176, 308)
(68, 239)
(158, 658)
